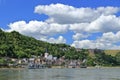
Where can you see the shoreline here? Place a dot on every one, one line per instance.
(60, 67)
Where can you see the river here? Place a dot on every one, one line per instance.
(61, 74)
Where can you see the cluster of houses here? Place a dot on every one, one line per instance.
(51, 61)
(48, 61)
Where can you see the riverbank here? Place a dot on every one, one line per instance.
(61, 67)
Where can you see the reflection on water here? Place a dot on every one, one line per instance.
(60, 74)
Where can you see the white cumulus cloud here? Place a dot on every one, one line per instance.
(101, 24)
(38, 29)
(66, 14)
(110, 37)
(60, 39)
(106, 41)
(79, 36)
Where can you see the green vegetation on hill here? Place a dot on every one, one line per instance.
(16, 45)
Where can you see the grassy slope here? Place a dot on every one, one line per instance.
(111, 52)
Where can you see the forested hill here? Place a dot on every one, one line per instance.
(14, 44)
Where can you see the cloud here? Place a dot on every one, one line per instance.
(60, 39)
(105, 24)
(38, 29)
(90, 44)
(79, 36)
(110, 37)
(79, 27)
(101, 19)
(65, 14)
(106, 41)
(101, 24)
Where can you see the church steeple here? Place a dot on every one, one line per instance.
(46, 53)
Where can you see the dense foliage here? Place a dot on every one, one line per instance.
(15, 45)
(18, 46)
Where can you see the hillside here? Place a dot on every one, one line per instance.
(111, 52)
(14, 44)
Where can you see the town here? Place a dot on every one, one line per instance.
(46, 61)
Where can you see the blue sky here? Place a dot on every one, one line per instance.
(79, 23)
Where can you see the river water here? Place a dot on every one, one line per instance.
(61, 74)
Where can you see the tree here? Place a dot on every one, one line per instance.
(117, 56)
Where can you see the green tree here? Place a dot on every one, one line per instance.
(117, 56)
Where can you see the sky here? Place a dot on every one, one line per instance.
(79, 23)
